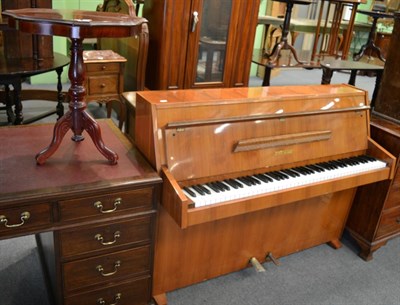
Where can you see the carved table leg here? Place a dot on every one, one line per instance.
(76, 119)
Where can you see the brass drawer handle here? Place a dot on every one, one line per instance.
(100, 269)
(116, 299)
(99, 205)
(24, 216)
(100, 238)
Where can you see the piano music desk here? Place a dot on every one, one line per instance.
(200, 136)
(86, 214)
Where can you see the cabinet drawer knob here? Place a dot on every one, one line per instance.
(100, 238)
(103, 67)
(99, 205)
(117, 297)
(103, 85)
(24, 216)
(398, 220)
(100, 269)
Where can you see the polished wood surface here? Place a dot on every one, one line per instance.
(85, 214)
(375, 215)
(20, 45)
(198, 136)
(77, 25)
(13, 71)
(388, 100)
(173, 49)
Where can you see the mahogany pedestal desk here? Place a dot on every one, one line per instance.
(77, 25)
(94, 223)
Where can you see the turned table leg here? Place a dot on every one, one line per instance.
(76, 119)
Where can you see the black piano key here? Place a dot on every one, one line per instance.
(245, 181)
(291, 173)
(213, 187)
(219, 185)
(198, 189)
(255, 181)
(189, 191)
(274, 176)
(224, 185)
(263, 178)
(282, 175)
(316, 168)
(233, 183)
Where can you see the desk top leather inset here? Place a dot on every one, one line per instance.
(73, 167)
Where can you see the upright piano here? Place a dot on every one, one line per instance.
(253, 173)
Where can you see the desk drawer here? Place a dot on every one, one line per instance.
(132, 293)
(102, 67)
(106, 268)
(103, 84)
(24, 219)
(104, 237)
(107, 205)
(389, 223)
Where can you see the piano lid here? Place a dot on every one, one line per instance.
(207, 132)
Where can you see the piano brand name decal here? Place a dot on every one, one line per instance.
(284, 152)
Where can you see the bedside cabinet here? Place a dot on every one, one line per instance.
(104, 80)
(375, 215)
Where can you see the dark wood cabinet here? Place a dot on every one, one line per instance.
(375, 215)
(200, 43)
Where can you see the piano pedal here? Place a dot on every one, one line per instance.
(271, 257)
(256, 264)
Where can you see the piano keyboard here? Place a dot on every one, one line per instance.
(246, 186)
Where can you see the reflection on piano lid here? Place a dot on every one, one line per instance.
(242, 187)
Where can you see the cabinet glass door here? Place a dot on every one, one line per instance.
(213, 35)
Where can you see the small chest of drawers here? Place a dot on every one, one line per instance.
(104, 79)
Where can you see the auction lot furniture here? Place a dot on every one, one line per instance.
(76, 25)
(328, 68)
(177, 56)
(105, 79)
(94, 223)
(13, 72)
(370, 44)
(203, 141)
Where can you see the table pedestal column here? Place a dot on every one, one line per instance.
(76, 119)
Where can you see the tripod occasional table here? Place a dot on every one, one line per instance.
(76, 25)
(370, 44)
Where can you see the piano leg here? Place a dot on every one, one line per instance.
(160, 299)
(335, 244)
